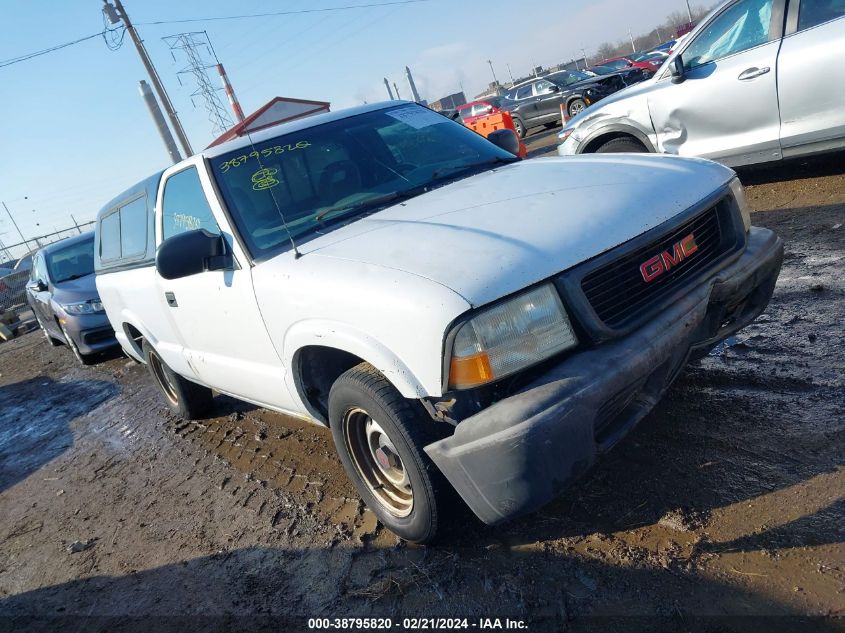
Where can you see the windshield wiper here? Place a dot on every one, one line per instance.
(456, 170)
(371, 203)
(72, 277)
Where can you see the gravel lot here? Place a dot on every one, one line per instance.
(726, 504)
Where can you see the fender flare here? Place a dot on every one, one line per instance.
(618, 129)
(340, 336)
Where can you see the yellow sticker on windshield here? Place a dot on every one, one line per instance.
(264, 179)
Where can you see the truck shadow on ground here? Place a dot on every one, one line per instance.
(279, 589)
(35, 418)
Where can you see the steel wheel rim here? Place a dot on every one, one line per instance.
(378, 463)
(163, 381)
(576, 108)
(518, 127)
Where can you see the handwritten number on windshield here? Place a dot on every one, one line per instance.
(237, 161)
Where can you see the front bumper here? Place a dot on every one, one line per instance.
(521, 452)
(91, 333)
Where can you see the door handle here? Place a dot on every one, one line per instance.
(751, 73)
(171, 299)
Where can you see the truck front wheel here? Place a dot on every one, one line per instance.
(186, 399)
(379, 436)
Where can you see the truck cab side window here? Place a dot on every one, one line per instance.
(184, 206)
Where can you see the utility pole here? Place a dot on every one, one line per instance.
(114, 18)
(411, 85)
(659, 35)
(584, 53)
(160, 123)
(633, 48)
(495, 81)
(76, 224)
(17, 228)
(396, 90)
(389, 92)
(689, 11)
(510, 73)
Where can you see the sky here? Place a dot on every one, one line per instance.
(74, 131)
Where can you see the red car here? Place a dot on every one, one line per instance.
(618, 63)
(473, 110)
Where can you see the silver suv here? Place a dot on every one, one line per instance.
(757, 81)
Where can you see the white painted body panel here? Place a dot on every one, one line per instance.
(217, 323)
(810, 115)
(491, 235)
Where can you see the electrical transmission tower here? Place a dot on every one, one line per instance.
(200, 55)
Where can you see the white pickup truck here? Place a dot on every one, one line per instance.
(458, 317)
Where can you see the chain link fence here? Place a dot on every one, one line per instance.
(16, 262)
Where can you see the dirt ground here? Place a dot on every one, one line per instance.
(723, 511)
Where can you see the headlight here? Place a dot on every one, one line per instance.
(509, 337)
(93, 306)
(742, 202)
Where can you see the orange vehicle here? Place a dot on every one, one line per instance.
(473, 110)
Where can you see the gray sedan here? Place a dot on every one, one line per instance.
(756, 81)
(64, 298)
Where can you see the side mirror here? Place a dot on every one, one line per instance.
(37, 286)
(505, 139)
(678, 72)
(554, 88)
(191, 253)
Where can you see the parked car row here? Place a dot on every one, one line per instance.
(542, 101)
(756, 81)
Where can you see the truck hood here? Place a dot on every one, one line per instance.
(492, 234)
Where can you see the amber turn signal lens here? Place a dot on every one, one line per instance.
(470, 371)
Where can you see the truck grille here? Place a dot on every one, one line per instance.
(617, 291)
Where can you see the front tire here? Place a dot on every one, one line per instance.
(379, 436)
(519, 127)
(622, 145)
(186, 399)
(53, 342)
(576, 107)
(83, 359)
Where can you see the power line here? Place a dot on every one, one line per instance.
(275, 13)
(23, 58)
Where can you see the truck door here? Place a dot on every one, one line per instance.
(811, 76)
(727, 107)
(221, 340)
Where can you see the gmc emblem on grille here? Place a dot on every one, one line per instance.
(666, 261)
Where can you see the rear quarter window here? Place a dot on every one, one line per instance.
(133, 228)
(123, 232)
(110, 237)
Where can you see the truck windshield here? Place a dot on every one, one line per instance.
(336, 172)
(72, 262)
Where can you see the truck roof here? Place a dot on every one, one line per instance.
(296, 126)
